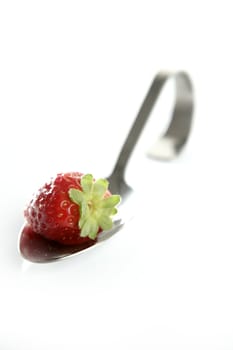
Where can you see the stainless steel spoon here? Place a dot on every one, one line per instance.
(35, 248)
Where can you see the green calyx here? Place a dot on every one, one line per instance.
(96, 210)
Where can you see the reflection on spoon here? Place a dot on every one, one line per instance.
(35, 248)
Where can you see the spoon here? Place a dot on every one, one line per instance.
(36, 248)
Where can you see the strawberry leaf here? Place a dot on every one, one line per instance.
(76, 196)
(105, 222)
(100, 187)
(87, 183)
(110, 202)
(90, 228)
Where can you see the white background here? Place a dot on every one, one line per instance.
(72, 77)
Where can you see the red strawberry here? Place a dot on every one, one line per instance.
(72, 209)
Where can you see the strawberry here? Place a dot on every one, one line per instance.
(72, 208)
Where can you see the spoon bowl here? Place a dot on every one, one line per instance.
(35, 248)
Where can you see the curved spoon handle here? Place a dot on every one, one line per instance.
(170, 144)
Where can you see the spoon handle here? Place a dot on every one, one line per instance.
(172, 141)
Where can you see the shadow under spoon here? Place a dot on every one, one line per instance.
(35, 248)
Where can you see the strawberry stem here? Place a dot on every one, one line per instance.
(96, 210)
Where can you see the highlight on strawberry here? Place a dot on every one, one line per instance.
(72, 208)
